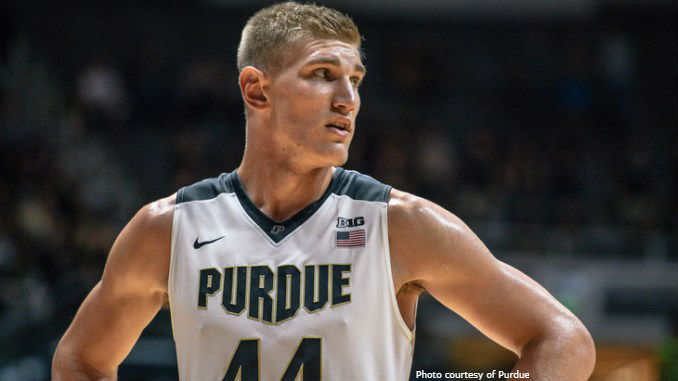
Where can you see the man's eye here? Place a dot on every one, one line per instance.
(356, 81)
(322, 73)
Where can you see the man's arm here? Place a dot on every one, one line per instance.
(433, 249)
(131, 291)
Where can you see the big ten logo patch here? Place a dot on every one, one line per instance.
(350, 222)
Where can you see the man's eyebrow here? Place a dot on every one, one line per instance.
(335, 62)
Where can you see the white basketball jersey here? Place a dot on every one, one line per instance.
(309, 298)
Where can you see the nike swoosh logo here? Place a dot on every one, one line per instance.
(197, 245)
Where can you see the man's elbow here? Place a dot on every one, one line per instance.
(64, 365)
(588, 349)
(60, 362)
(67, 366)
(580, 347)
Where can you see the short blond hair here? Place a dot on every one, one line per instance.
(274, 31)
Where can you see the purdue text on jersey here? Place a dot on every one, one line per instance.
(275, 295)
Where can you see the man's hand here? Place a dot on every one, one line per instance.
(433, 249)
(131, 291)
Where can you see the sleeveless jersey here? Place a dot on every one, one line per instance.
(308, 298)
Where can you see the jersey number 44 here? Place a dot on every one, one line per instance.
(305, 362)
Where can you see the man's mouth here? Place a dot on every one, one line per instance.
(337, 126)
(340, 126)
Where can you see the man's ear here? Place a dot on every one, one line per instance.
(253, 87)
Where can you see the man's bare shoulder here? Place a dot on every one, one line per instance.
(151, 227)
(422, 234)
(428, 242)
(419, 217)
(160, 213)
(141, 252)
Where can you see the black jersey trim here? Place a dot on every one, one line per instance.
(349, 183)
(278, 230)
(362, 187)
(204, 190)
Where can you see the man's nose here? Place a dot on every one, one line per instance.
(345, 98)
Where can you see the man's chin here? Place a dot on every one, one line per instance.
(335, 162)
(337, 158)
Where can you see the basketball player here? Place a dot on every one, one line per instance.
(292, 267)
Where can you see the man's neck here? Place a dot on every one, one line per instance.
(281, 192)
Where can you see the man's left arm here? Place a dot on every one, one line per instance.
(435, 250)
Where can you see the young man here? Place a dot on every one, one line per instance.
(291, 266)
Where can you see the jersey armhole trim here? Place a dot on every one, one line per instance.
(409, 334)
(175, 233)
(387, 194)
(180, 196)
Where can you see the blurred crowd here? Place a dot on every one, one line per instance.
(544, 137)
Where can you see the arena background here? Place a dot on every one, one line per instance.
(549, 126)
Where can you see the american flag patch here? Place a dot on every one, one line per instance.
(351, 238)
